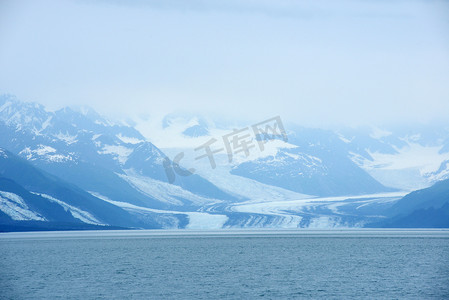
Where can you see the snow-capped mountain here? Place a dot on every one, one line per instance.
(29, 194)
(318, 165)
(318, 162)
(408, 159)
(311, 178)
(93, 152)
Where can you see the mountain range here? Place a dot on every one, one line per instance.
(75, 169)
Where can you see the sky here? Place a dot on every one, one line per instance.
(316, 63)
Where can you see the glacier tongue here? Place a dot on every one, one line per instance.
(15, 207)
(76, 212)
(163, 191)
(197, 220)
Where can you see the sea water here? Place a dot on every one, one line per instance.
(338, 264)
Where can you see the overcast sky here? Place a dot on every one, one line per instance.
(317, 62)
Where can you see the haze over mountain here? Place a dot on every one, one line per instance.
(319, 63)
(74, 168)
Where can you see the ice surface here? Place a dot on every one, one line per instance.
(15, 207)
(163, 191)
(128, 140)
(197, 220)
(45, 153)
(413, 167)
(67, 138)
(76, 212)
(120, 153)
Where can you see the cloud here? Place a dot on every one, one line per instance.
(311, 62)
